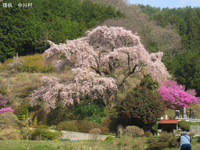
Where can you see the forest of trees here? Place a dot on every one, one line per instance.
(25, 30)
(186, 21)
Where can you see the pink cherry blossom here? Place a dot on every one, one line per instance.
(84, 83)
(96, 59)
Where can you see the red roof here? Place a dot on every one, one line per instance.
(174, 121)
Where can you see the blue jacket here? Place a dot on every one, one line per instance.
(184, 139)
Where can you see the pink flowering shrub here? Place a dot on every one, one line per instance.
(3, 103)
(175, 95)
(4, 110)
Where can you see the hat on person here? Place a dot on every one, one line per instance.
(184, 132)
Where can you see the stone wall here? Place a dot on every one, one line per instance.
(188, 119)
(195, 130)
(82, 136)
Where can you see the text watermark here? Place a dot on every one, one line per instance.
(9, 5)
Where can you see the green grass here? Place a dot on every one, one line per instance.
(124, 143)
(39, 145)
(194, 123)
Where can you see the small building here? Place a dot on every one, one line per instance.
(168, 125)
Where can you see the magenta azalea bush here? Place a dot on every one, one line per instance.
(4, 110)
(4, 102)
(175, 95)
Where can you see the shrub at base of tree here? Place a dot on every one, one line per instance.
(164, 137)
(10, 128)
(173, 142)
(44, 134)
(81, 126)
(109, 138)
(158, 145)
(148, 134)
(133, 131)
(184, 125)
(68, 126)
(151, 139)
(164, 141)
(8, 119)
(105, 122)
(141, 107)
(10, 134)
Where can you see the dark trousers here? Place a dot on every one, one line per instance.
(186, 147)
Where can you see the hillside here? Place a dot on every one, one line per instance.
(88, 75)
(53, 20)
(185, 67)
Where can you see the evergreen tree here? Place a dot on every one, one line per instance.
(17, 32)
(23, 114)
(25, 30)
(141, 107)
(160, 19)
(186, 69)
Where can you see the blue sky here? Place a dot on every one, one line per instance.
(167, 3)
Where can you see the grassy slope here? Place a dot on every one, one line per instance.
(22, 84)
(116, 144)
(73, 145)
